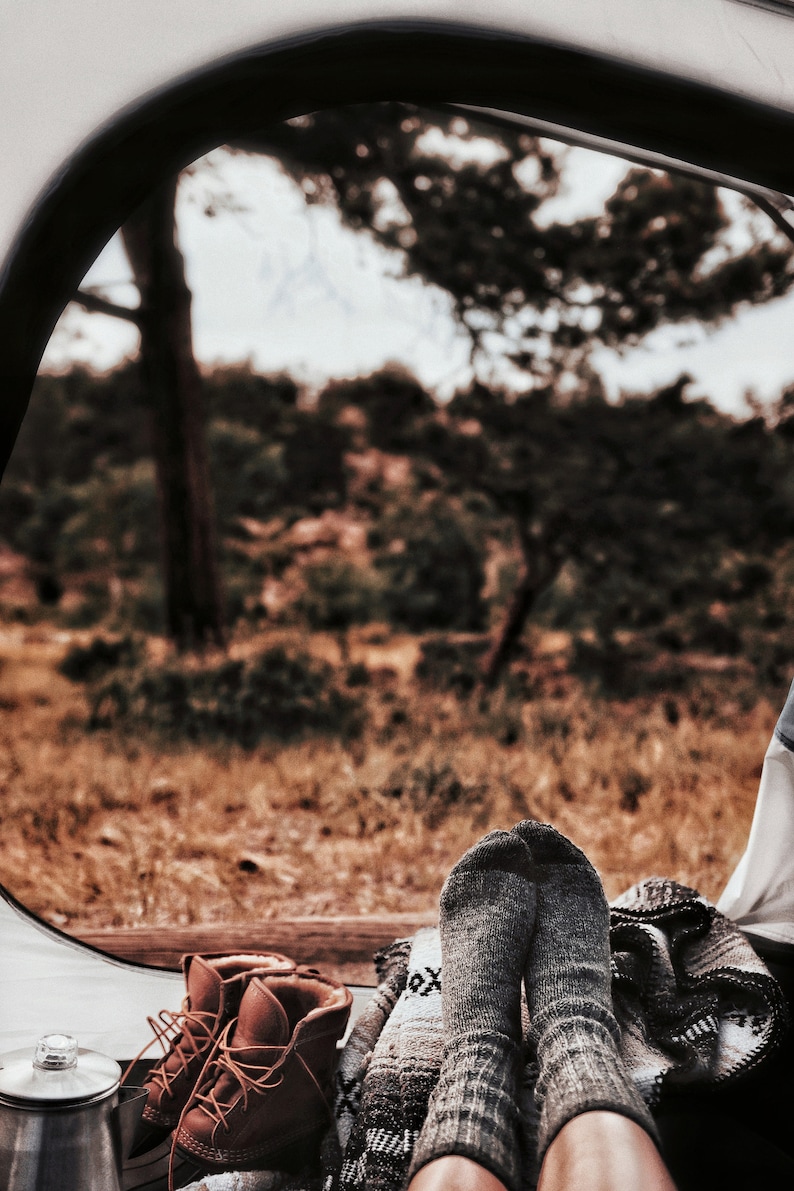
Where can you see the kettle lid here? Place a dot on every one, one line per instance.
(57, 1072)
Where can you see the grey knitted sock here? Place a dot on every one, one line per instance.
(569, 991)
(487, 911)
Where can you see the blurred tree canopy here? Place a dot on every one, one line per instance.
(462, 200)
(644, 498)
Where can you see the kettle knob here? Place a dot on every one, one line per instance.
(55, 1052)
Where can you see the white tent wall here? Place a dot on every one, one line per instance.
(760, 894)
(68, 68)
(51, 983)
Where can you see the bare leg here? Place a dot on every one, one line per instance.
(453, 1172)
(602, 1151)
(597, 1151)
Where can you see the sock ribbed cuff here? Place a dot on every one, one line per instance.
(582, 1071)
(474, 1109)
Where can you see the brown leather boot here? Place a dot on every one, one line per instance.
(264, 1099)
(215, 985)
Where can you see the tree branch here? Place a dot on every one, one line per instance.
(99, 305)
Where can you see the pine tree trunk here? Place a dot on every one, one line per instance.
(192, 584)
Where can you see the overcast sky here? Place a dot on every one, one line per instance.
(286, 287)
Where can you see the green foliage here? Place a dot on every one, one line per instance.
(113, 522)
(142, 606)
(248, 471)
(79, 421)
(79, 497)
(656, 254)
(276, 695)
(393, 402)
(432, 568)
(657, 517)
(340, 594)
(450, 664)
(88, 663)
(296, 467)
(314, 450)
(34, 518)
(632, 517)
(238, 394)
(639, 503)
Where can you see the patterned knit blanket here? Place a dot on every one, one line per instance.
(694, 1002)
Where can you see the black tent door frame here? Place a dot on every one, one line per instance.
(595, 100)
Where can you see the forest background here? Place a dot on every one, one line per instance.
(427, 617)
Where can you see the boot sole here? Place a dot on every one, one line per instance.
(299, 1151)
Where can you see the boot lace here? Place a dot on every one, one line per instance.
(248, 1076)
(186, 1034)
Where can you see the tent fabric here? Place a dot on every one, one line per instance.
(759, 896)
(52, 983)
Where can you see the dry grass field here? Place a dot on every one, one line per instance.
(102, 830)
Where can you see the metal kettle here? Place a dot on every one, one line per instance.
(65, 1123)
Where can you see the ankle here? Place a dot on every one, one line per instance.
(580, 1071)
(603, 1151)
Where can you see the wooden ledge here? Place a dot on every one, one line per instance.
(341, 947)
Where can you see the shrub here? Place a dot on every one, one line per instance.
(88, 663)
(432, 569)
(394, 402)
(248, 472)
(358, 675)
(715, 636)
(42, 515)
(449, 664)
(434, 790)
(143, 605)
(297, 467)
(274, 696)
(112, 523)
(237, 394)
(316, 476)
(339, 594)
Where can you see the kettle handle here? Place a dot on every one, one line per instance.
(127, 1114)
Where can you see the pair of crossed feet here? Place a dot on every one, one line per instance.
(523, 906)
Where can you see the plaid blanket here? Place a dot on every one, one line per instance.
(694, 1002)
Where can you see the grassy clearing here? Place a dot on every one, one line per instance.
(99, 829)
